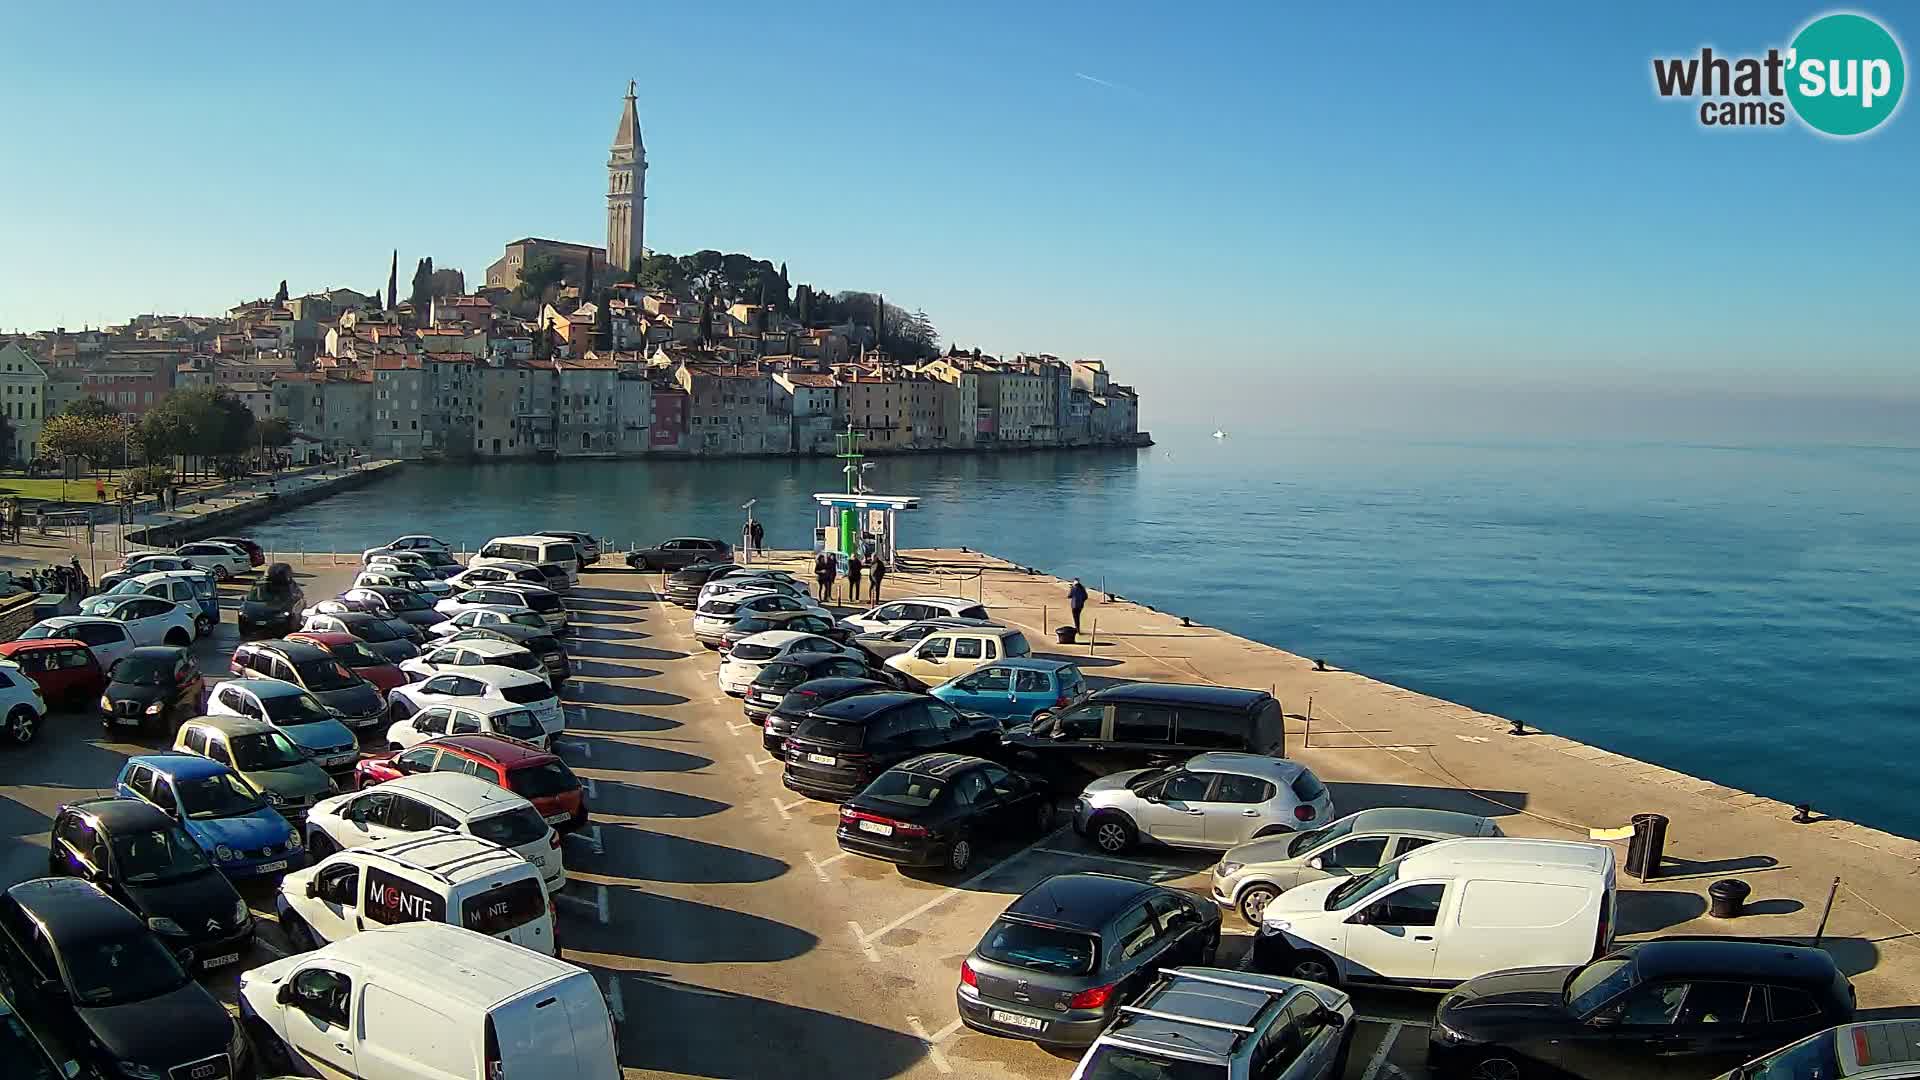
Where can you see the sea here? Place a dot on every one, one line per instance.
(1745, 613)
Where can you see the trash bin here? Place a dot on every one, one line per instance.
(1729, 898)
(1066, 634)
(1647, 846)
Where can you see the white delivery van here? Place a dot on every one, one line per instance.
(1446, 913)
(531, 549)
(428, 1001)
(434, 876)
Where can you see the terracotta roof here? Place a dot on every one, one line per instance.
(807, 378)
(451, 357)
(589, 363)
(396, 362)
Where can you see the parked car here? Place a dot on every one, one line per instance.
(1214, 801)
(149, 620)
(839, 748)
(895, 614)
(296, 713)
(734, 586)
(79, 963)
(1251, 874)
(223, 813)
(409, 564)
(106, 639)
(467, 716)
(399, 577)
(386, 637)
(683, 585)
(1229, 1025)
(273, 605)
(531, 549)
(584, 544)
(952, 652)
(1445, 914)
(802, 699)
(475, 577)
(413, 804)
(535, 639)
(1060, 962)
(745, 626)
(356, 656)
(64, 669)
(412, 542)
(680, 552)
(31, 1052)
(221, 560)
(141, 857)
(1667, 1007)
(1136, 725)
(536, 775)
(21, 704)
(1015, 691)
(1871, 1050)
(715, 617)
(142, 562)
(256, 555)
(191, 589)
(769, 688)
(529, 690)
(358, 600)
(310, 667)
(543, 601)
(491, 615)
(449, 1002)
(884, 643)
(938, 809)
(437, 876)
(744, 661)
(263, 756)
(409, 606)
(152, 687)
(449, 655)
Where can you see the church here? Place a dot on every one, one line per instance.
(626, 217)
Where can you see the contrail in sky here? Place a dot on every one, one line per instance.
(1097, 81)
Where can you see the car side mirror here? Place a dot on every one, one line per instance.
(1361, 918)
(1318, 862)
(1604, 1019)
(1151, 796)
(1328, 1018)
(285, 994)
(313, 888)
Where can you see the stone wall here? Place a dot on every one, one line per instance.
(16, 614)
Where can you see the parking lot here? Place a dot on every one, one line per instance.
(732, 936)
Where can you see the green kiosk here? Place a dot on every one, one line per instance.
(858, 520)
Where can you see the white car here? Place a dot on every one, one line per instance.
(409, 805)
(106, 639)
(393, 577)
(489, 615)
(912, 609)
(467, 716)
(496, 573)
(739, 583)
(543, 601)
(1213, 801)
(192, 588)
(522, 688)
(149, 619)
(459, 654)
(750, 654)
(715, 616)
(221, 560)
(372, 603)
(21, 706)
(412, 542)
(406, 561)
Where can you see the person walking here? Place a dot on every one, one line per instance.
(874, 575)
(823, 572)
(757, 535)
(1076, 599)
(854, 566)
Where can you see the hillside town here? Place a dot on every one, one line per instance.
(561, 353)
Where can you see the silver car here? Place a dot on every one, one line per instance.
(716, 615)
(1249, 876)
(1214, 801)
(1231, 1025)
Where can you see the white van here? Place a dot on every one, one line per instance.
(434, 876)
(1446, 913)
(428, 1001)
(531, 549)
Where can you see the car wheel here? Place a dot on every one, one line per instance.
(960, 856)
(203, 625)
(1254, 900)
(1495, 1067)
(177, 636)
(1112, 833)
(220, 573)
(1314, 967)
(22, 725)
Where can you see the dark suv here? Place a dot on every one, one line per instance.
(805, 698)
(347, 696)
(1135, 725)
(769, 688)
(839, 748)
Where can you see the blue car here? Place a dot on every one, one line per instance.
(1015, 690)
(223, 813)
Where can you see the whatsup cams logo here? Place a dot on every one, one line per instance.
(1842, 75)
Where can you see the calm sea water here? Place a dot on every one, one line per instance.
(1745, 613)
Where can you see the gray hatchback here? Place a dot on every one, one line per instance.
(1226, 1025)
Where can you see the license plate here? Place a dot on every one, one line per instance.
(268, 868)
(1019, 1020)
(127, 721)
(555, 819)
(876, 827)
(821, 759)
(221, 961)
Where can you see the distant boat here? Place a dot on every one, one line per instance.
(1219, 434)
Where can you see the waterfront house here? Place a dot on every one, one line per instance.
(399, 390)
(818, 407)
(23, 390)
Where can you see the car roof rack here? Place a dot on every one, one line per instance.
(1274, 995)
(1220, 1025)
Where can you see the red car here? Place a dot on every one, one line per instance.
(256, 555)
(354, 655)
(526, 770)
(68, 674)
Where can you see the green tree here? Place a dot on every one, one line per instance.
(95, 438)
(6, 439)
(91, 408)
(663, 273)
(541, 273)
(422, 295)
(281, 296)
(803, 304)
(272, 433)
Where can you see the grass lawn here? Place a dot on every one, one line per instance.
(80, 490)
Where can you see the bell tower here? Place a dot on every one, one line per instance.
(626, 190)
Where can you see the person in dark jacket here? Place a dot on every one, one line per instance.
(758, 534)
(824, 570)
(878, 571)
(854, 566)
(1076, 599)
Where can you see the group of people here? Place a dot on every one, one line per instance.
(69, 580)
(826, 570)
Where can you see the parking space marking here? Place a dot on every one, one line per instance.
(760, 763)
(1097, 857)
(587, 783)
(933, 1048)
(787, 809)
(1380, 1055)
(866, 940)
(598, 903)
(735, 729)
(589, 836)
(820, 865)
(615, 1004)
(584, 747)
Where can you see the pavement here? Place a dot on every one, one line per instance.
(734, 939)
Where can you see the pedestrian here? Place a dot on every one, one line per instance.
(823, 572)
(99, 489)
(878, 571)
(1076, 599)
(80, 576)
(758, 533)
(854, 566)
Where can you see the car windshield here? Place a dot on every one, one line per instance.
(121, 969)
(1360, 888)
(904, 788)
(1149, 776)
(264, 750)
(832, 732)
(748, 651)
(1812, 1058)
(527, 618)
(144, 671)
(355, 655)
(1040, 948)
(268, 592)
(151, 855)
(719, 607)
(541, 601)
(406, 601)
(436, 557)
(1118, 1063)
(520, 724)
(781, 675)
(375, 630)
(296, 709)
(542, 780)
(1598, 983)
(1313, 838)
(325, 675)
(217, 796)
(527, 693)
(514, 828)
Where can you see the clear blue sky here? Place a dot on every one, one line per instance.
(1269, 189)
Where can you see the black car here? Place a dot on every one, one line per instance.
(680, 552)
(412, 608)
(553, 576)
(840, 747)
(29, 1054)
(272, 606)
(350, 698)
(936, 809)
(540, 643)
(88, 971)
(1059, 963)
(1683, 1006)
(1137, 725)
(769, 688)
(805, 698)
(684, 585)
(388, 638)
(153, 686)
(141, 857)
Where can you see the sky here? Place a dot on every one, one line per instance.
(1270, 197)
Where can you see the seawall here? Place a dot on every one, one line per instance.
(171, 529)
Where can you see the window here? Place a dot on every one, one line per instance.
(371, 809)
(1186, 787)
(1307, 787)
(217, 750)
(323, 995)
(1133, 933)
(1415, 905)
(1235, 788)
(1655, 1004)
(1032, 682)
(1791, 1004)
(337, 884)
(409, 815)
(417, 760)
(431, 722)
(1724, 1003)
(1142, 723)
(1362, 853)
(935, 648)
(972, 789)
(1279, 1046)
(1170, 913)
(1207, 729)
